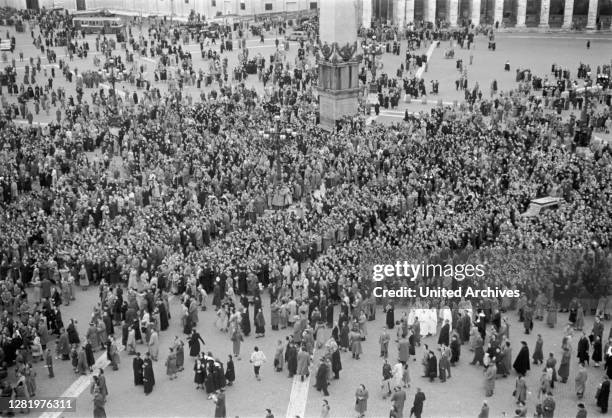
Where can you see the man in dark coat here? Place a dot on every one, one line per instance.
(583, 349)
(432, 366)
(291, 359)
(322, 382)
(417, 405)
(390, 319)
(521, 363)
(137, 366)
(336, 363)
(603, 395)
(398, 399)
(444, 338)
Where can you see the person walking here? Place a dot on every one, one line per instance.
(484, 411)
(398, 399)
(417, 404)
(257, 359)
(171, 369)
(325, 409)
(219, 399)
(49, 362)
(137, 367)
(520, 389)
(361, 401)
(194, 343)
(603, 395)
(148, 374)
(582, 412)
(490, 375)
(237, 338)
(99, 400)
(581, 378)
(322, 378)
(303, 363)
(230, 374)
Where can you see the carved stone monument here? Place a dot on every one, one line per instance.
(338, 62)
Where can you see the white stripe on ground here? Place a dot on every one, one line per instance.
(80, 385)
(298, 398)
(580, 38)
(430, 51)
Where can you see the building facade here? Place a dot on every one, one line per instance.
(589, 14)
(179, 8)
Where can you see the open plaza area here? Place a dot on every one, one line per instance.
(191, 214)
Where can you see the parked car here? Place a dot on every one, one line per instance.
(297, 36)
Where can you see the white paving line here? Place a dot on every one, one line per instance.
(298, 398)
(580, 38)
(430, 50)
(80, 385)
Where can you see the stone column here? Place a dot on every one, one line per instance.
(367, 14)
(498, 14)
(453, 11)
(431, 11)
(476, 12)
(400, 13)
(592, 15)
(544, 13)
(409, 12)
(521, 13)
(568, 14)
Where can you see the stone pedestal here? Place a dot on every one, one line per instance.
(453, 12)
(498, 14)
(338, 91)
(475, 12)
(592, 15)
(568, 14)
(544, 14)
(521, 13)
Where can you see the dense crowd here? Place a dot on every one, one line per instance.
(153, 194)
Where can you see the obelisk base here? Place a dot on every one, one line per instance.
(335, 105)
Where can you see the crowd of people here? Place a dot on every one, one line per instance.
(154, 194)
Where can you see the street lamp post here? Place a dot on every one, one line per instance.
(276, 137)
